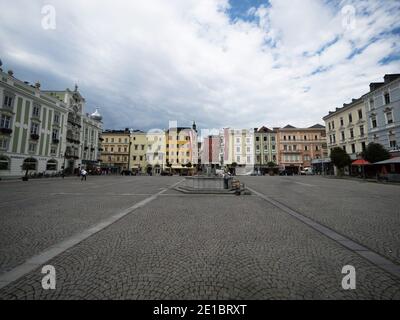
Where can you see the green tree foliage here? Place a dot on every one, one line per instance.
(375, 152)
(340, 158)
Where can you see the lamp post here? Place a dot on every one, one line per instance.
(129, 155)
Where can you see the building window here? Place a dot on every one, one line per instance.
(389, 117)
(387, 98)
(57, 118)
(51, 165)
(362, 131)
(306, 147)
(32, 147)
(5, 122)
(142, 146)
(238, 159)
(34, 128)
(3, 143)
(341, 121)
(238, 149)
(54, 134)
(344, 148)
(373, 122)
(106, 140)
(371, 103)
(334, 138)
(353, 148)
(4, 162)
(350, 118)
(36, 111)
(351, 133)
(305, 138)
(343, 136)
(8, 102)
(141, 158)
(393, 143)
(134, 158)
(265, 139)
(363, 146)
(360, 114)
(333, 124)
(30, 164)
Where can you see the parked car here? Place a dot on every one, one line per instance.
(306, 172)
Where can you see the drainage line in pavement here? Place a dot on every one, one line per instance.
(373, 257)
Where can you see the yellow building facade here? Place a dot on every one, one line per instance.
(115, 155)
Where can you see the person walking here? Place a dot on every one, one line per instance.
(83, 174)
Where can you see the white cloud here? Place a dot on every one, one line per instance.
(145, 63)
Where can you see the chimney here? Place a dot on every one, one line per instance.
(10, 73)
(390, 77)
(37, 85)
(375, 85)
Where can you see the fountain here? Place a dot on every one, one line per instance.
(211, 183)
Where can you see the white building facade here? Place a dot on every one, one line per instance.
(44, 131)
(32, 129)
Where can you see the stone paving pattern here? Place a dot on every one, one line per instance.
(366, 212)
(204, 247)
(41, 213)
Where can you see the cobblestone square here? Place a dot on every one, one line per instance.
(115, 237)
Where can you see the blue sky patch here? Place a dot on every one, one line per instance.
(239, 9)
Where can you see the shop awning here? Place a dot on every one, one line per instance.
(389, 161)
(360, 162)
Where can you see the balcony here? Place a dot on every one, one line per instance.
(35, 136)
(6, 131)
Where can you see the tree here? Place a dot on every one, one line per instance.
(271, 164)
(375, 152)
(340, 159)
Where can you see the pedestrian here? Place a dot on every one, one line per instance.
(83, 174)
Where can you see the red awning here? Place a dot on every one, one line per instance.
(360, 162)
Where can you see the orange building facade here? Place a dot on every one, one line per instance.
(299, 146)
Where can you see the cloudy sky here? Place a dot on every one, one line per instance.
(237, 63)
